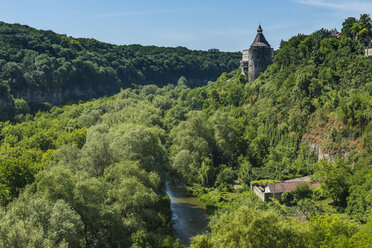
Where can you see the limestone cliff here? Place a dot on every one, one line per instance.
(321, 153)
(61, 95)
(7, 108)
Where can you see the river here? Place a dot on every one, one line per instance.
(189, 216)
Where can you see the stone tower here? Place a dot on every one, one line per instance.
(258, 57)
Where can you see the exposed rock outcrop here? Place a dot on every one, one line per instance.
(61, 95)
(7, 108)
(322, 154)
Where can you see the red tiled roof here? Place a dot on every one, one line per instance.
(314, 185)
(288, 186)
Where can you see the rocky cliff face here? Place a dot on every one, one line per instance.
(60, 95)
(54, 96)
(322, 154)
(197, 82)
(7, 108)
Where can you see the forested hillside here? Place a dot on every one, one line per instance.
(42, 66)
(93, 174)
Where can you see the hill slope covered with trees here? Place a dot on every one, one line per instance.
(97, 170)
(42, 66)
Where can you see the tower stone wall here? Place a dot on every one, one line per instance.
(257, 58)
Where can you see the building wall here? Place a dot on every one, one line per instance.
(245, 55)
(266, 196)
(259, 59)
(259, 193)
(368, 53)
(244, 62)
(244, 67)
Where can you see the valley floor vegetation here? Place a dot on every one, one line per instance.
(93, 174)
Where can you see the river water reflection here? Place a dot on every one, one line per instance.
(189, 217)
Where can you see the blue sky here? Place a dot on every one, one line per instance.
(229, 25)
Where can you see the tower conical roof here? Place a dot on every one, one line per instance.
(260, 40)
(259, 29)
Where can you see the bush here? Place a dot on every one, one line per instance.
(225, 178)
(21, 106)
(318, 194)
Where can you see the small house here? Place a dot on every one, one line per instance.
(275, 190)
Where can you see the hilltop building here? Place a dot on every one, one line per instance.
(258, 57)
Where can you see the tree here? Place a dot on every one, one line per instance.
(347, 27)
(359, 202)
(182, 81)
(363, 238)
(56, 183)
(97, 153)
(330, 231)
(334, 179)
(33, 221)
(301, 192)
(225, 137)
(15, 174)
(247, 227)
(192, 141)
(21, 106)
(139, 143)
(352, 27)
(225, 178)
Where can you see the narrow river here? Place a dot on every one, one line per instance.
(189, 217)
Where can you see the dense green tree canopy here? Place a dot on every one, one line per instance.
(93, 174)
